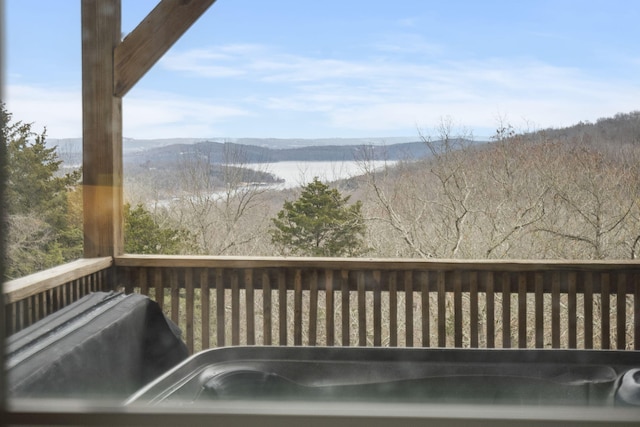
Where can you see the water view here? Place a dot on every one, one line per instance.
(297, 173)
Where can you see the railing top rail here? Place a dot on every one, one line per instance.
(33, 284)
(370, 263)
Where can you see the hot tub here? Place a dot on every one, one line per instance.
(401, 375)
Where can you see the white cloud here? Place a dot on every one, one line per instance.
(149, 114)
(146, 114)
(365, 95)
(209, 62)
(57, 109)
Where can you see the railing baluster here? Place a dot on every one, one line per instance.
(77, 292)
(605, 324)
(490, 301)
(46, 303)
(78, 286)
(442, 312)
(330, 321)
(51, 300)
(297, 308)
(26, 313)
(539, 309)
(235, 308)
(10, 318)
(393, 309)
(31, 309)
(346, 313)
(313, 308)
(572, 303)
(282, 307)
(555, 310)
(142, 281)
(85, 285)
(65, 294)
(42, 305)
(506, 310)
(35, 308)
(424, 297)
(362, 310)
(588, 309)
(522, 310)
(457, 308)
(621, 311)
(175, 296)
(473, 310)
(189, 303)
(408, 290)
(204, 307)
(159, 287)
(72, 296)
(377, 309)
(266, 308)
(221, 308)
(250, 309)
(19, 323)
(93, 282)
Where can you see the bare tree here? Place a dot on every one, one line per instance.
(465, 200)
(510, 193)
(592, 203)
(426, 201)
(220, 199)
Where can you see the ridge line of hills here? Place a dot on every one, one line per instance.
(622, 128)
(160, 153)
(228, 152)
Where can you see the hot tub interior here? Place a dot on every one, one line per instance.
(532, 377)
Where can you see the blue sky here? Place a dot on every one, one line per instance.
(342, 68)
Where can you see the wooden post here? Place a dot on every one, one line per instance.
(157, 32)
(109, 69)
(101, 130)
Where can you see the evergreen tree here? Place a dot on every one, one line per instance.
(42, 230)
(143, 235)
(319, 223)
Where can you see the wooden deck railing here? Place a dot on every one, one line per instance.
(220, 301)
(33, 297)
(348, 302)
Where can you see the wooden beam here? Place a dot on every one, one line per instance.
(145, 45)
(101, 130)
(42, 281)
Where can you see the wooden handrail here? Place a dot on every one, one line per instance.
(195, 261)
(32, 298)
(33, 284)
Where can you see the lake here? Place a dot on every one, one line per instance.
(297, 173)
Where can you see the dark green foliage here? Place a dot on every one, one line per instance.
(42, 230)
(143, 235)
(320, 223)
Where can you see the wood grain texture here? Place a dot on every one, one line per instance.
(42, 281)
(152, 38)
(556, 300)
(101, 131)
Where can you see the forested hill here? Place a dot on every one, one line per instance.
(605, 134)
(227, 152)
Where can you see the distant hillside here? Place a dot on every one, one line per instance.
(218, 152)
(131, 144)
(605, 133)
(254, 149)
